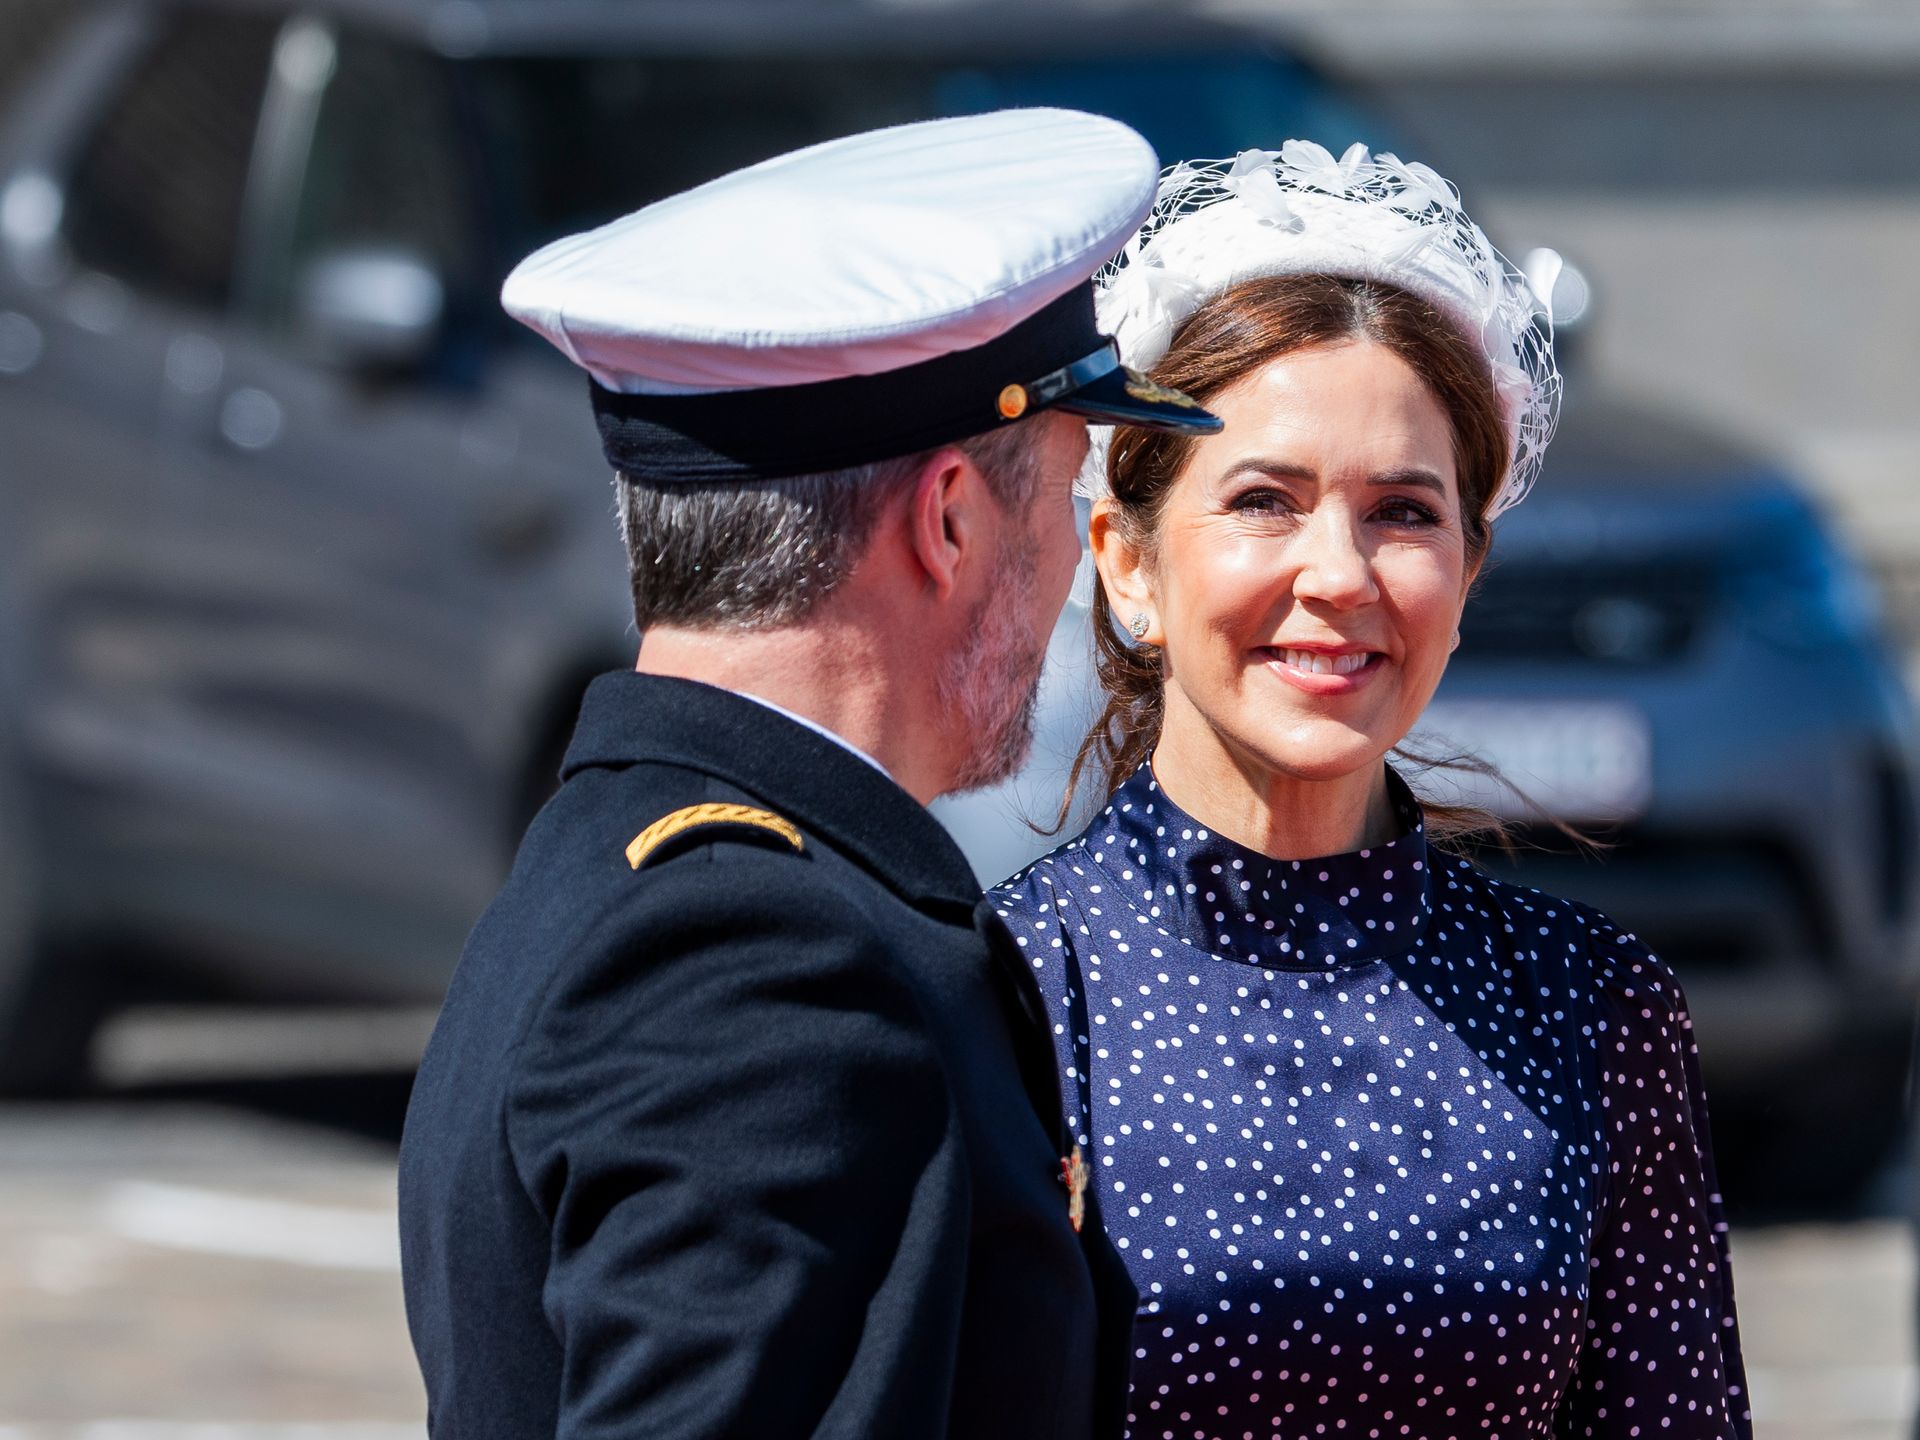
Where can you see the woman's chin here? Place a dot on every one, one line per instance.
(1317, 750)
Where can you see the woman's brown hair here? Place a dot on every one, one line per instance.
(1229, 337)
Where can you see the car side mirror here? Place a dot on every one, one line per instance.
(1564, 289)
(369, 310)
(1561, 286)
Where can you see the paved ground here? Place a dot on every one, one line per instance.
(215, 1261)
(181, 1262)
(1826, 1313)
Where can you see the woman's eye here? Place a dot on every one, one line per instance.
(1407, 512)
(1260, 502)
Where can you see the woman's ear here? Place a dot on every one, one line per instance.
(1466, 587)
(1123, 573)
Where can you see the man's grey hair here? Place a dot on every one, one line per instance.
(761, 554)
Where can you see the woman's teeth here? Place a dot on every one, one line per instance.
(1311, 663)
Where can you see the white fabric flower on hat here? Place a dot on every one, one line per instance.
(1148, 301)
(1252, 183)
(1308, 166)
(1301, 210)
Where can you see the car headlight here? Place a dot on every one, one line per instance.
(1804, 591)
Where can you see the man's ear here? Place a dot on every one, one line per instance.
(1123, 571)
(945, 521)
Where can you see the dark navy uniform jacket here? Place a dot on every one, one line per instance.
(761, 1138)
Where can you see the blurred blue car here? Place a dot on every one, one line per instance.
(1674, 646)
(305, 552)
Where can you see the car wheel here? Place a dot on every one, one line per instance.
(1820, 1137)
(49, 1003)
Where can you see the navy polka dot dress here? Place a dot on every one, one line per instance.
(1391, 1149)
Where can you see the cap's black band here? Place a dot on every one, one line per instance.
(836, 424)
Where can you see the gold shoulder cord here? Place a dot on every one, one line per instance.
(697, 817)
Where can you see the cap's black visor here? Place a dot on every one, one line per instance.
(1120, 395)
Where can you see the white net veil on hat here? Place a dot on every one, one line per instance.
(1298, 210)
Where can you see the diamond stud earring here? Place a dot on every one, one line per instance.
(1137, 627)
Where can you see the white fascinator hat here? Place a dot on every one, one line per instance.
(1298, 210)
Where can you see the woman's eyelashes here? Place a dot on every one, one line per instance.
(1262, 500)
(1396, 510)
(1399, 510)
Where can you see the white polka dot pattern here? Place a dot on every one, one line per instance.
(1391, 1149)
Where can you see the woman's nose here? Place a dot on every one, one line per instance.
(1333, 568)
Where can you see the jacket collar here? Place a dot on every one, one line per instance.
(628, 718)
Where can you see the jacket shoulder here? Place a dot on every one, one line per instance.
(634, 876)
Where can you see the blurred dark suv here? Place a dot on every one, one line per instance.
(305, 553)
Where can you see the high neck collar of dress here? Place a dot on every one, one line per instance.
(1238, 904)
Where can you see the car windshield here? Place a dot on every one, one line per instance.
(585, 140)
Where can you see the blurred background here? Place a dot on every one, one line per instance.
(305, 556)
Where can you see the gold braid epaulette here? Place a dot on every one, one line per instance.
(696, 817)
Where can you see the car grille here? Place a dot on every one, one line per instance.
(1609, 614)
(1702, 902)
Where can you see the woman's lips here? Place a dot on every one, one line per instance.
(1320, 672)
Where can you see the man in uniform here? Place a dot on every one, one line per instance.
(741, 1117)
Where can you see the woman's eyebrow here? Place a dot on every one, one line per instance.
(1415, 475)
(1278, 469)
(1411, 475)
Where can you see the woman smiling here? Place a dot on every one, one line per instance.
(1391, 1148)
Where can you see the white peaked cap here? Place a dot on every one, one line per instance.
(853, 257)
(863, 299)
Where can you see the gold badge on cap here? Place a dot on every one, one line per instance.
(1013, 402)
(1073, 1175)
(1141, 388)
